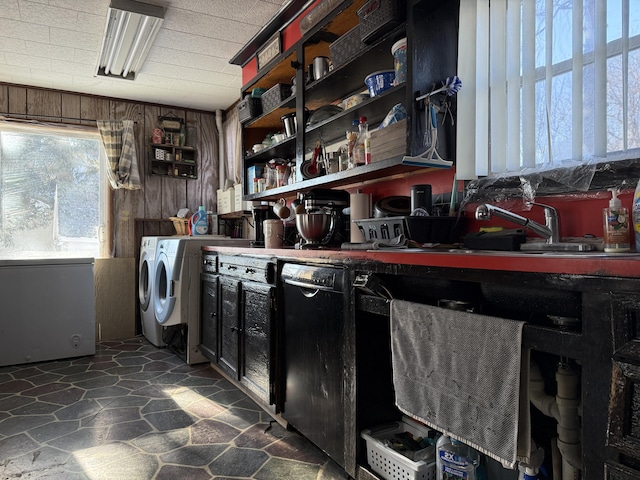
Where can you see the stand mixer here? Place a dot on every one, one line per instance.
(324, 225)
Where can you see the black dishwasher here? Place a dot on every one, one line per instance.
(313, 299)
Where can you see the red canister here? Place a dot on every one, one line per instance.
(157, 135)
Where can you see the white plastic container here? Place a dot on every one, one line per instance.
(392, 465)
(455, 460)
(399, 52)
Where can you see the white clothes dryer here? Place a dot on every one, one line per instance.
(151, 329)
(176, 292)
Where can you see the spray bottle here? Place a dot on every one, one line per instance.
(615, 225)
(636, 215)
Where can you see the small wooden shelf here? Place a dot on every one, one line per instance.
(173, 161)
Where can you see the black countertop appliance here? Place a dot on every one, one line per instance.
(260, 214)
(335, 202)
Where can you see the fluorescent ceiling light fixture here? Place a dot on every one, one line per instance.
(129, 32)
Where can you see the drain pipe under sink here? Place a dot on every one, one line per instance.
(564, 408)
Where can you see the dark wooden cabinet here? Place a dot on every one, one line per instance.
(229, 326)
(209, 316)
(584, 320)
(238, 322)
(257, 317)
(624, 406)
(615, 471)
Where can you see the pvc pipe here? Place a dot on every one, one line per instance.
(543, 402)
(569, 434)
(565, 409)
(222, 171)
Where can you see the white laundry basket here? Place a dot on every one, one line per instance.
(390, 464)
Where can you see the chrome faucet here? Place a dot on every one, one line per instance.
(550, 230)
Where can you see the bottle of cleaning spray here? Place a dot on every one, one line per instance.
(615, 225)
(636, 215)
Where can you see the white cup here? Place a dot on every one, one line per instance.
(281, 210)
(273, 233)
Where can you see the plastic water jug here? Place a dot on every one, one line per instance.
(455, 460)
(199, 222)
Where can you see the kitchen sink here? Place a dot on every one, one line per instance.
(543, 253)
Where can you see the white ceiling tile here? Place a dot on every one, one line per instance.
(27, 61)
(74, 68)
(91, 23)
(24, 30)
(90, 42)
(9, 9)
(12, 45)
(210, 63)
(232, 31)
(55, 43)
(87, 6)
(188, 22)
(46, 50)
(46, 15)
(224, 9)
(261, 12)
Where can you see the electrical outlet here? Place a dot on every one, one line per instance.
(75, 340)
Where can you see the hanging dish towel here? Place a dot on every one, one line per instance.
(465, 375)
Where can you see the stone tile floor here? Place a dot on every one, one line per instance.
(134, 412)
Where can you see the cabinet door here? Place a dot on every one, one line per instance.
(624, 406)
(209, 316)
(229, 326)
(257, 318)
(614, 471)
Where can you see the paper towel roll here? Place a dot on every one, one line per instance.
(360, 206)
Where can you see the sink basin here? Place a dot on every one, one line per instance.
(549, 253)
(556, 247)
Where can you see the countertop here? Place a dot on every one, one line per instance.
(588, 263)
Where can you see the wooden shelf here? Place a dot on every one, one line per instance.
(183, 163)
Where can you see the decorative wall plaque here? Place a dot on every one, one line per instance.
(270, 50)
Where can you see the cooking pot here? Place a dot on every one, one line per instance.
(392, 207)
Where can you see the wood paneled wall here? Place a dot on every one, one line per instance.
(160, 197)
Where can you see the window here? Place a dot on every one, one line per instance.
(52, 192)
(547, 84)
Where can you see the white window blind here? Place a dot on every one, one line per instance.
(548, 84)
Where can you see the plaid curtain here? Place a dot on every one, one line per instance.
(119, 142)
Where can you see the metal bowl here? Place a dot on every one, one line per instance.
(313, 227)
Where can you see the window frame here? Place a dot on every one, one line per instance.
(105, 230)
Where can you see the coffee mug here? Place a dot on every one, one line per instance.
(273, 233)
(281, 210)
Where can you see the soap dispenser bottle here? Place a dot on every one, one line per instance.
(615, 225)
(636, 216)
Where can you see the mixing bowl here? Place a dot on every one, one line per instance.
(313, 227)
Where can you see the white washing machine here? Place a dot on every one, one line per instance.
(176, 291)
(151, 329)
